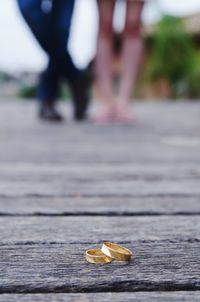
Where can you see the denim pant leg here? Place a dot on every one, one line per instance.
(62, 15)
(52, 32)
(40, 23)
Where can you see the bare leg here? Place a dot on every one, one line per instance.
(104, 60)
(131, 58)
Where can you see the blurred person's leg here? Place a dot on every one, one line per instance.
(79, 84)
(104, 60)
(51, 28)
(131, 57)
(40, 22)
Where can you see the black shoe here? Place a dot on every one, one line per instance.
(81, 96)
(49, 113)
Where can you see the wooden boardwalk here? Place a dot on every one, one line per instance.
(67, 188)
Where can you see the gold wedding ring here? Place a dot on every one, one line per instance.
(97, 257)
(116, 251)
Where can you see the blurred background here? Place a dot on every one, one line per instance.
(171, 66)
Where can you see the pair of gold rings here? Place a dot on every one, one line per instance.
(109, 252)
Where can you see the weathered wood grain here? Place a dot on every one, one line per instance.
(105, 297)
(96, 229)
(104, 205)
(51, 268)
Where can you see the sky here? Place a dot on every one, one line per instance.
(20, 52)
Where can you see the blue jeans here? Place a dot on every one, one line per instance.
(50, 21)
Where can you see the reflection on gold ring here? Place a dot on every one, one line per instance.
(97, 256)
(116, 251)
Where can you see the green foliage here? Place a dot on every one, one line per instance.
(28, 92)
(65, 92)
(174, 58)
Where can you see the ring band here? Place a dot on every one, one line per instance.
(116, 251)
(97, 257)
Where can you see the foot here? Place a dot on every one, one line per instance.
(81, 96)
(105, 115)
(48, 112)
(123, 114)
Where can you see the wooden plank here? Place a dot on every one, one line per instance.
(104, 205)
(32, 141)
(156, 113)
(82, 229)
(100, 156)
(134, 180)
(134, 151)
(82, 172)
(59, 188)
(61, 268)
(105, 297)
